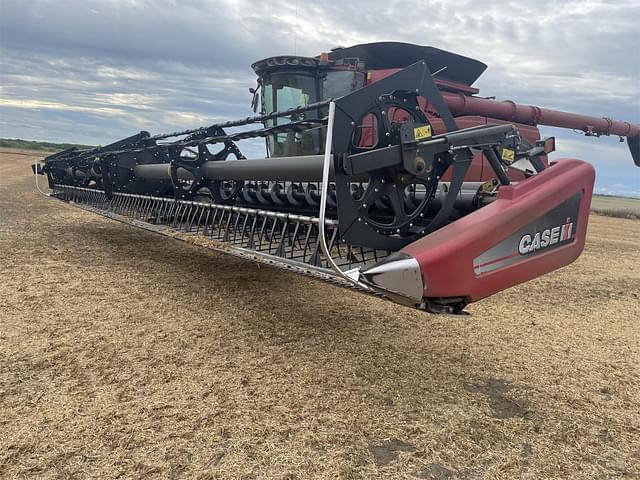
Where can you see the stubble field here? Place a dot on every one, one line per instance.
(125, 354)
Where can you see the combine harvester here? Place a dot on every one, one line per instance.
(385, 172)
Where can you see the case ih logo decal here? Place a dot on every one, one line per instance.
(554, 229)
(532, 242)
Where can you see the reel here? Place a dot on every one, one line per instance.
(221, 191)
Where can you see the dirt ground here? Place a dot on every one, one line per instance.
(125, 354)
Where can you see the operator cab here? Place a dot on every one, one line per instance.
(287, 82)
(292, 82)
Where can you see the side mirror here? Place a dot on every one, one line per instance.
(255, 101)
(634, 146)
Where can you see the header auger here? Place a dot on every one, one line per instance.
(384, 172)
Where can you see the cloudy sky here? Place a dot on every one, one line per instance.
(92, 71)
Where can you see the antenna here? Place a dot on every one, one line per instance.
(438, 71)
(295, 29)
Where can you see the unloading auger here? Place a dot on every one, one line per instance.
(384, 173)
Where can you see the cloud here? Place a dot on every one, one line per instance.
(93, 71)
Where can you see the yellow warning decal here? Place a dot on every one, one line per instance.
(508, 155)
(422, 132)
(489, 186)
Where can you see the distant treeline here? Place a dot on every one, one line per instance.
(41, 146)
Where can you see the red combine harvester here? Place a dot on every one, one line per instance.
(384, 172)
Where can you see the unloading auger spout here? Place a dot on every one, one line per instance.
(509, 111)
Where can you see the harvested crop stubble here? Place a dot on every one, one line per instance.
(127, 354)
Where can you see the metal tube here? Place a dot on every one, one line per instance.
(460, 104)
(326, 168)
(495, 164)
(246, 121)
(295, 169)
(159, 171)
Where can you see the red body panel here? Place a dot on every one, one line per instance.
(479, 171)
(446, 257)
